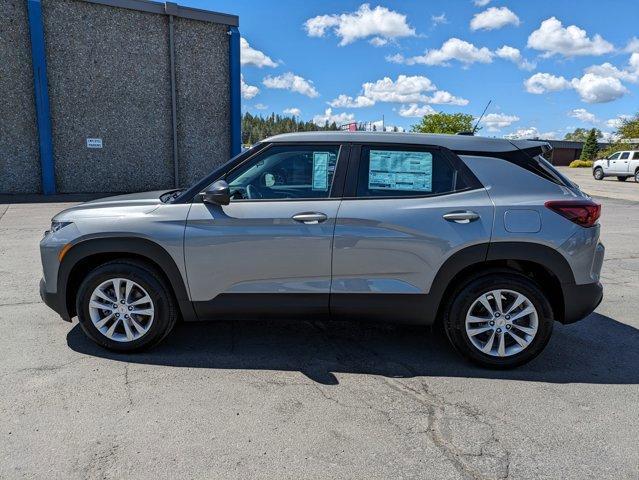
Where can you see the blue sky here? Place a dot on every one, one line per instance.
(567, 64)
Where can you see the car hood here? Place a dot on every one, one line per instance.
(115, 206)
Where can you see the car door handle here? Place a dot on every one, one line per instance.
(310, 218)
(461, 217)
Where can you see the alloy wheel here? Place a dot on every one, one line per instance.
(121, 310)
(501, 323)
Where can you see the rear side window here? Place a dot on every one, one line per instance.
(635, 156)
(405, 172)
(624, 155)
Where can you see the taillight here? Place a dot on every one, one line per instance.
(581, 212)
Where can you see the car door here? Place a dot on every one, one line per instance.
(406, 210)
(614, 162)
(610, 164)
(269, 251)
(623, 162)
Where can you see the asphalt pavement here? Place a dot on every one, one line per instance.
(314, 400)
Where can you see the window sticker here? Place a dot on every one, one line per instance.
(320, 171)
(403, 171)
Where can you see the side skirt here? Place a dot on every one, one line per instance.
(394, 308)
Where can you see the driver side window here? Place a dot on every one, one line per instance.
(285, 172)
(614, 156)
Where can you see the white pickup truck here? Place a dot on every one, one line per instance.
(623, 164)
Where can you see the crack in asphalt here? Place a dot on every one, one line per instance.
(484, 459)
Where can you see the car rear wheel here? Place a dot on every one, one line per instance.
(125, 306)
(622, 179)
(500, 320)
(637, 176)
(598, 173)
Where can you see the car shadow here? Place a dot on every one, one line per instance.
(598, 350)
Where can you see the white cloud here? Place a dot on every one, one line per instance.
(494, 18)
(629, 74)
(248, 91)
(452, 49)
(438, 19)
(513, 54)
(329, 117)
(481, 3)
(545, 82)
(414, 110)
(292, 82)
(365, 22)
(350, 102)
(378, 41)
(260, 106)
(549, 135)
(531, 133)
(583, 115)
(496, 121)
(593, 88)
(632, 46)
(616, 122)
(251, 56)
(405, 89)
(292, 111)
(442, 97)
(552, 38)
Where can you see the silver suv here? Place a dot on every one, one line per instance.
(481, 236)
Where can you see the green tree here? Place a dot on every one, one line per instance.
(256, 128)
(629, 127)
(441, 122)
(590, 148)
(581, 134)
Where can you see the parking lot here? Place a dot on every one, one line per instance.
(315, 400)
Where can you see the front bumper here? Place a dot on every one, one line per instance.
(580, 300)
(52, 301)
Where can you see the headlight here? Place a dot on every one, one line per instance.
(55, 226)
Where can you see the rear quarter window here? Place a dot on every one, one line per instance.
(405, 172)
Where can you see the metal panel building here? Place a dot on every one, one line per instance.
(115, 95)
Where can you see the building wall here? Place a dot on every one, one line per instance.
(563, 156)
(19, 154)
(109, 77)
(203, 97)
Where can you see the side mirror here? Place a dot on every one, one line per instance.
(218, 193)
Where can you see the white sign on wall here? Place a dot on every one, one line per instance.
(94, 143)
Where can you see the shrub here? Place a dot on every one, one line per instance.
(580, 164)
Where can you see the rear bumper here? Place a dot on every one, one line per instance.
(580, 300)
(52, 301)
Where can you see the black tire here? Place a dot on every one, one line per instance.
(165, 314)
(598, 173)
(465, 296)
(637, 176)
(622, 179)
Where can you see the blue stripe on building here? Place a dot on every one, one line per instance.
(236, 97)
(43, 112)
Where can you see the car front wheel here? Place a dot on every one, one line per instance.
(125, 306)
(500, 320)
(598, 173)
